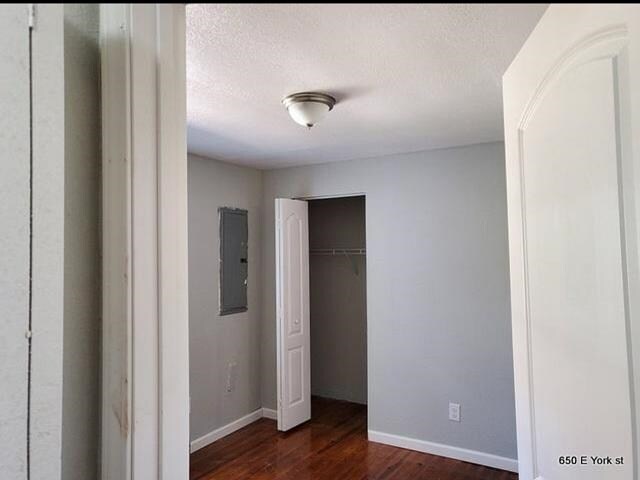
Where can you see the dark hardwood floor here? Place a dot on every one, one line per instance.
(332, 446)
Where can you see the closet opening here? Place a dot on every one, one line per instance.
(338, 306)
(321, 311)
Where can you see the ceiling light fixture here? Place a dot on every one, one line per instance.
(308, 108)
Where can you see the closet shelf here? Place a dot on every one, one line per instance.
(337, 251)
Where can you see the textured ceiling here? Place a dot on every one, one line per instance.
(407, 77)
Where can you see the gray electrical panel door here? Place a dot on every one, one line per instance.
(234, 262)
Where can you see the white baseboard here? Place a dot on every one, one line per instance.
(269, 413)
(457, 453)
(433, 448)
(229, 428)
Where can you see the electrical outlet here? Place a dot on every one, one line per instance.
(454, 412)
(232, 369)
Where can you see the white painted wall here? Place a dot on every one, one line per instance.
(47, 243)
(438, 295)
(14, 228)
(338, 300)
(65, 282)
(80, 414)
(214, 340)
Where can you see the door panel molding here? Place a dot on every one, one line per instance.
(553, 52)
(607, 44)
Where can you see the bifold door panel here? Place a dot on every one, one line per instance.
(292, 304)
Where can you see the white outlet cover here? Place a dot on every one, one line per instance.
(454, 412)
(231, 376)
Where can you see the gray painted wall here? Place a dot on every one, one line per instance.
(338, 300)
(214, 340)
(437, 290)
(80, 415)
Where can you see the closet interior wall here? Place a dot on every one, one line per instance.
(338, 298)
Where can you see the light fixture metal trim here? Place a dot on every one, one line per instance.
(317, 97)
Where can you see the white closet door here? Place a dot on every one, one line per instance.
(572, 134)
(14, 224)
(292, 305)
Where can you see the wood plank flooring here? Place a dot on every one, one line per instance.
(332, 446)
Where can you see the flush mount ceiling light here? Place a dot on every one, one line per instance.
(308, 108)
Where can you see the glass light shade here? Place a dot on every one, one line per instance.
(308, 114)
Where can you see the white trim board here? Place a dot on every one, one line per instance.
(225, 430)
(234, 426)
(144, 219)
(472, 456)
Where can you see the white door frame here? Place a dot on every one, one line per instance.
(145, 389)
(308, 198)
